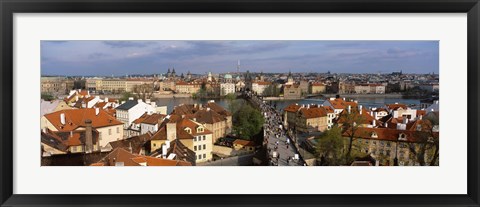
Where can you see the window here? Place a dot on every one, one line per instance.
(204, 146)
(194, 139)
(199, 157)
(204, 137)
(194, 148)
(204, 156)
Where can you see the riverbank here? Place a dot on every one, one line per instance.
(156, 95)
(387, 95)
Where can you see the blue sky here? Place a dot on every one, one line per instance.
(107, 58)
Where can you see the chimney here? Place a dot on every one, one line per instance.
(71, 133)
(356, 101)
(106, 99)
(97, 111)
(375, 115)
(167, 144)
(62, 118)
(88, 136)
(420, 117)
(140, 100)
(374, 123)
(130, 98)
(123, 102)
(344, 98)
(405, 120)
(386, 125)
(171, 131)
(195, 106)
(349, 108)
(360, 109)
(147, 101)
(164, 151)
(76, 98)
(208, 108)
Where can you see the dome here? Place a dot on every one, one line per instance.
(228, 76)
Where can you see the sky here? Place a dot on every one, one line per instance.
(119, 58)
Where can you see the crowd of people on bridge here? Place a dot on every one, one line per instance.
(275, 135)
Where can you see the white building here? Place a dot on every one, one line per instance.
(227, 88)
(133, 109)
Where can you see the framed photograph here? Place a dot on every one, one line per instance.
(201, 103)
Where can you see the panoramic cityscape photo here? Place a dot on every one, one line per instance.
(239, 103)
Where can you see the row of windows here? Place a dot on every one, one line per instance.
(199, 147)
(199, 157)
(199, 138)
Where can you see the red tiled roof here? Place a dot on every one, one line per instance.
(129, 159)
(292, 108)
(396, 106)
(75, 118)
(339, 103)
(388, 134)
(244, 142)
(315, 112)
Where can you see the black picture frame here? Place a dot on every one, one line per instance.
(10, 7)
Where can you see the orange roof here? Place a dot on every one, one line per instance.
(263, 83)
(153, 119)
(339, 103)
(292, 108)
(366, 117)
(396, 106)
(315, 112)
(421, 112)
(129, 159)
(75, 118)
(244, 142)
(328, 109)
(388, 134)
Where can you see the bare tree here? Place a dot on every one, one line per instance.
(350, 123)
(426, 148)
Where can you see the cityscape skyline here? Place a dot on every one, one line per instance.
(120, 58)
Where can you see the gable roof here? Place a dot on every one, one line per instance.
(314, 112)
(129, 159)
(75, 118)
(339, 103)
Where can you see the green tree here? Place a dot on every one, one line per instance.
(330, 147)
(247, 121)
(48, 97)
(126, 96)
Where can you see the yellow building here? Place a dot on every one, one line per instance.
(317, 88)
(187, 88)
(385, 144)
(70, 120)
(190, 133)
(240, 144)
(306, 118)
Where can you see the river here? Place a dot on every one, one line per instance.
(365, 101)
